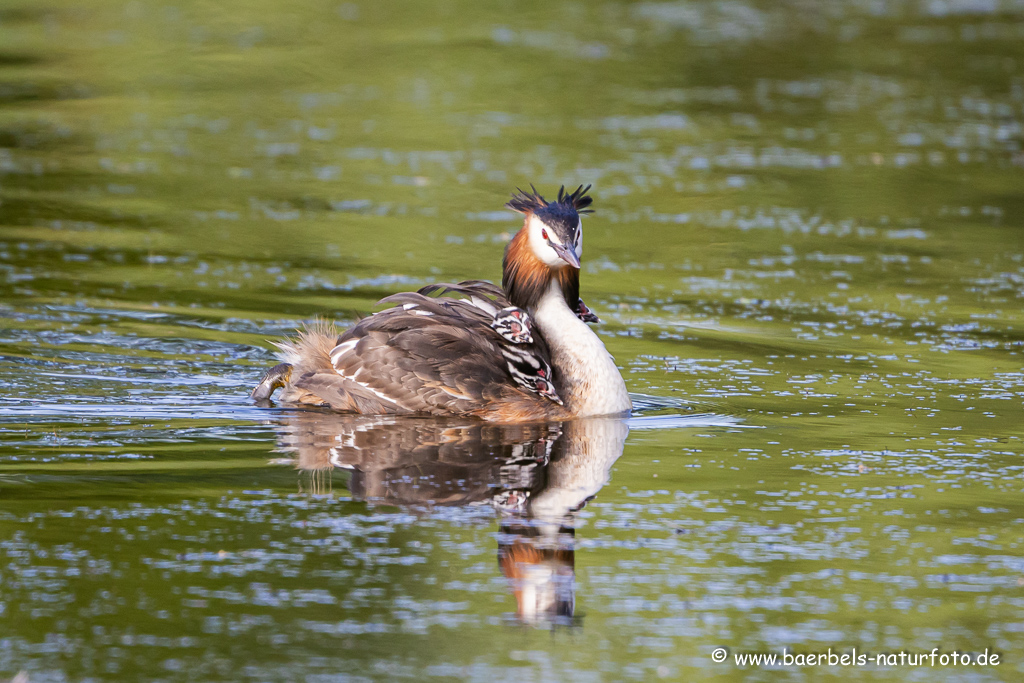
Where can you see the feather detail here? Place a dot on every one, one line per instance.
(531, 202)
(312, 349)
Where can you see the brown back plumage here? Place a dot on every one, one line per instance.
(424, 355)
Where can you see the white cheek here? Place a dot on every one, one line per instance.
(540, 247)
(579, 241)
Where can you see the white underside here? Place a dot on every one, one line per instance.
(593, 384)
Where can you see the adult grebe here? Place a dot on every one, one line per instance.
(465, 356)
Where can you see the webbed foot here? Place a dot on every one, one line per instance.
(585, 314)
(275, 378)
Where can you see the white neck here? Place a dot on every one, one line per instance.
(588, 379)
(586, 452)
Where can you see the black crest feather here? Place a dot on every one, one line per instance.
(577, 199)
(527, 202)
(531, 202)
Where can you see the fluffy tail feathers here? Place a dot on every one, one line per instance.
(309, 352)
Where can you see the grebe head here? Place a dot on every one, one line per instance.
(554, 229)
(547, 249)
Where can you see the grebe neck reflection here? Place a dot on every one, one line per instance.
(536, 477)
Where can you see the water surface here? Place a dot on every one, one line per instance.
(807, 252)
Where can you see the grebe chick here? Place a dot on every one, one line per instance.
(453, 355)
(515, 324)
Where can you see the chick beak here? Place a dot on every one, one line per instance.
(567, 255)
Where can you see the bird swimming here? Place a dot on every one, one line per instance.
(518, 353)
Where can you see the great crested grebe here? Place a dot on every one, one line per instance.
(515, 354)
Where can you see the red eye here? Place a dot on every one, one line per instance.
(543, 233)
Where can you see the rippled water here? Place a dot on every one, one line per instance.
(809, 259)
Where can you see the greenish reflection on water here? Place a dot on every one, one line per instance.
(809, 232)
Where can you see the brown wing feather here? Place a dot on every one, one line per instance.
(425, 363)
(331, 390)
(478, 288)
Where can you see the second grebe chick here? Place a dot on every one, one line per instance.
(515, 324)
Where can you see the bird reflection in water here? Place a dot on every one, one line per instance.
(536, 476)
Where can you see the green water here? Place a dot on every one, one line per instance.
(808, 253)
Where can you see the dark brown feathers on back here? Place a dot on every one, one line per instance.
(425, 355)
